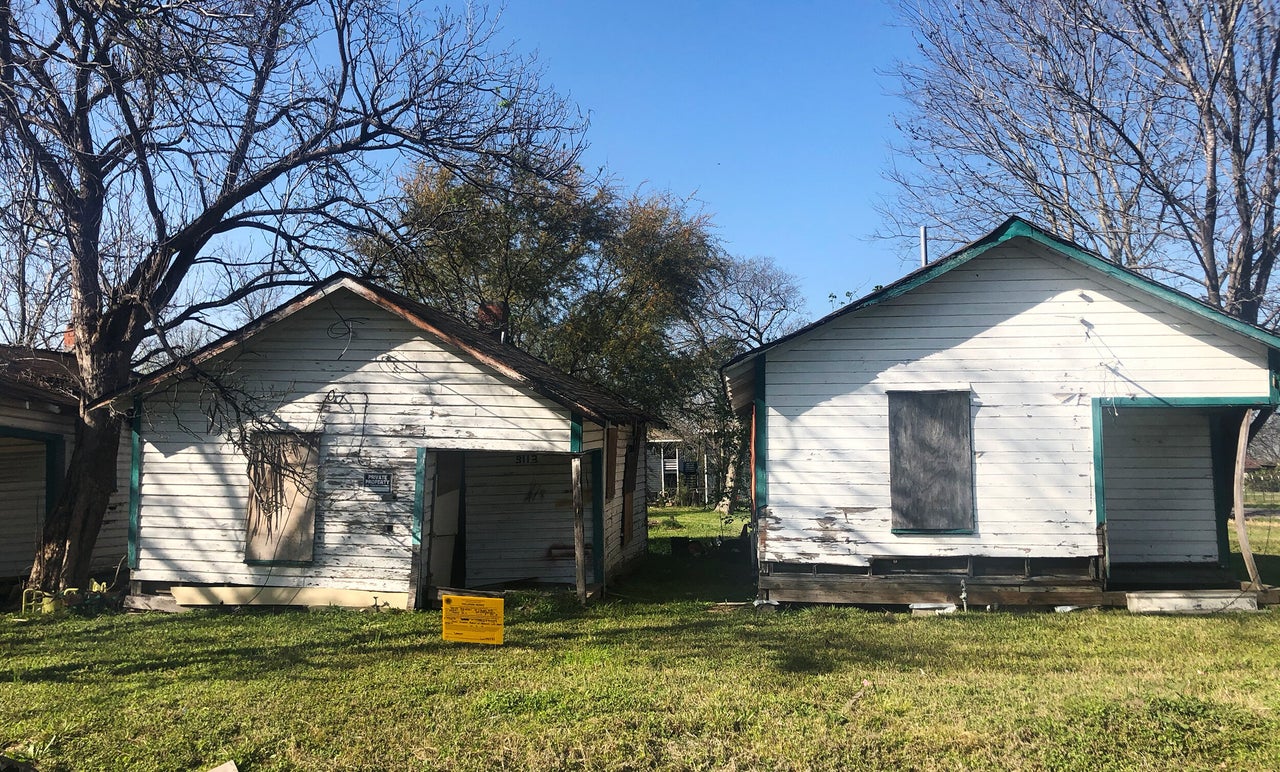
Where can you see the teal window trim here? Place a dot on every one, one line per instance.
(1128, 402)
(419, 494)
(135, 481)
(760, 442)
(575, 433)
(1099, 484)
(972, 528)
(597, 514)
(55, 460)
(1273, 375)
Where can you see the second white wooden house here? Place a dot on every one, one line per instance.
(38, 403)
(354, 447)
(1021, 422)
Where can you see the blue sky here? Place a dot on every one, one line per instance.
(775, 116)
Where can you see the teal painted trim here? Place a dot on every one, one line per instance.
(597, 513)
(575, 433)
(419, 494)
(55, 460)
(1099, 484)
(135, 481)
(1016, 227)
(1273, 375)
(760, 442)
(930, 532)
(1127, 402)
(1222, 452)
(28, 434)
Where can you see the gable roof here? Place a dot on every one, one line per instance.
(594, 402)
(36, 373)
(739, 370)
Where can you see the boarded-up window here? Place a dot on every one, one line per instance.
(930, 461)
(283, 470)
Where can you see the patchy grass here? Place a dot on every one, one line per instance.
(693, 522)
(654, 679)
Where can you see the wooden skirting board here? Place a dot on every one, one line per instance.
(286, 596)
(1191, 601)
(902, 590)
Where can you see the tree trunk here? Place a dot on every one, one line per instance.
(730, 481)
(71, 529)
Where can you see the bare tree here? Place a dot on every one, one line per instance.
(145, 144)
(752, 302)
(755, 301)
(1143, 130)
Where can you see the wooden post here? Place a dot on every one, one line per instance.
(1238, 494)
(579, 532)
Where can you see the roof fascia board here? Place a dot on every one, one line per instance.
(502, 368)
(1149, 286)
(225, 343)
(1016, 227)
(310, 297)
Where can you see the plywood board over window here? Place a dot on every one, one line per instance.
(931, 461)
(283, 472)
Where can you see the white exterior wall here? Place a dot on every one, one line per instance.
(516, 521)
(377, 389)
(22, 489)
(616, 552)
(1158, 469)
(1034, 337)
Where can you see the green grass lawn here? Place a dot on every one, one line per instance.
(1262, 499)
(1264, 540)
(659, 677)
(693, 522)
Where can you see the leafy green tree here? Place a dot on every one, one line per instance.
(599, 285)
(634, 293)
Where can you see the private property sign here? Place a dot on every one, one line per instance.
(471, 619)
(378, 482)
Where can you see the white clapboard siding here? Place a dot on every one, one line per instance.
(516, 524)
(113, 539)
(1034, 337)
(618, 553)
(22, 504)
(376, 389)
(1159, 486)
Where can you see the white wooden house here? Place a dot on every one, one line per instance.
(1021, 422)
(37, 428)
(354, 447)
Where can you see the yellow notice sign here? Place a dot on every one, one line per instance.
(471, 619)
